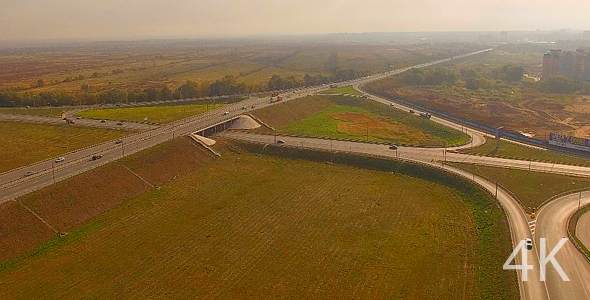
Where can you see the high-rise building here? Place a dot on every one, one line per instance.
(573, 65)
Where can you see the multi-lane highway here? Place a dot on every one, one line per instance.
(16, 182)
(550, 218)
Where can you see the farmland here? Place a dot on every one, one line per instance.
(516, 151)
(356, 118)
(209, 233)
(45, 141)
(128, 66)
(530, 188)
(151, 114)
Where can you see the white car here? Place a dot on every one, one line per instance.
(225, 113)
(59, 159)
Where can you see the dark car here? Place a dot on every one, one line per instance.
(280, 142)
(393, 147)
(119, 123)
(528, 243)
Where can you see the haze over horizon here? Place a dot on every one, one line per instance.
(115, 19)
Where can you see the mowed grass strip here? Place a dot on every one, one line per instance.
(344, 90)
(69, 203)
(531, 188)
(516, 151)
(25, 143)
(245, 226)
(152, 114)
(358, 119)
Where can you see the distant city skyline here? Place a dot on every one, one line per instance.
(116, 19)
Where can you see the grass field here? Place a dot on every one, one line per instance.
(359, 119)
(312, 231)
(512, 150)
(530, 188)
(55, 112)
(24, 143)
(152, 114)
(69, 203)
(344, 90)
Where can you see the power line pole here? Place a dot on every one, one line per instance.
(53, 170)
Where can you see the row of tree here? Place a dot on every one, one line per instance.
(228, 85)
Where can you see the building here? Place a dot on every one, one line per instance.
(573, 65)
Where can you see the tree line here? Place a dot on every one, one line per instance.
(225, 86)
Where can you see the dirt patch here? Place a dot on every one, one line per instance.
(19, 230)
(361, 124)
(533, 114)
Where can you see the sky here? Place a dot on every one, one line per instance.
(116, 19)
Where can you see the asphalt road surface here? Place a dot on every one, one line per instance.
(77, 122)
(550, 222)
(550, 219)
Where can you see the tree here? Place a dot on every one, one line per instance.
(511, 73)
(559, 84)
(471, 84)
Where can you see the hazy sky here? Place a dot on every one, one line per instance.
(66, 19)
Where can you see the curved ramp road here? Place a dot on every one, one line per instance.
(552, 224)
(14, 183)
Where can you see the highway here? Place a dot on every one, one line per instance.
(549, 222)
(15, 183)
(79, 122)
(531, 289)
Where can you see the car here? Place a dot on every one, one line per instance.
(225, 113)
(253, 106)
(59, 159)
(29, 173)
(280, 142)
(95, 157)
(411, 111)
(119, 123)
(78, 118)
(243, 107)
(393, 147)
(528, 243)
(391, 104)
(119, 141)
(103, 121)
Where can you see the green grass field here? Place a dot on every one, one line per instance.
(344, 90)
(512, 150)
(152, 114)
(312, 231)
(359, 119)
(25, 143)
(530, 188)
